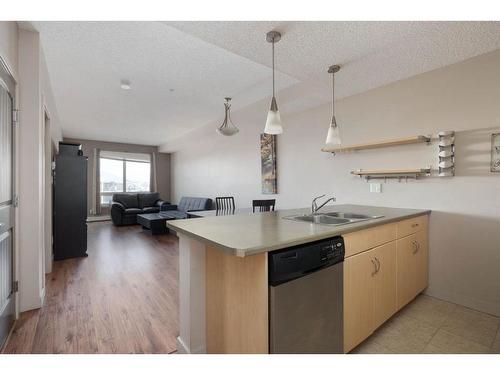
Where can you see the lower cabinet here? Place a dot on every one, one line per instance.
(370, 294)
(412, 260)
(385, 300)
(379, 281)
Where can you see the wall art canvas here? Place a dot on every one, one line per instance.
(268, 163)
(495, 152)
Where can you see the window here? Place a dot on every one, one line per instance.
(123, 172)
(137, 175)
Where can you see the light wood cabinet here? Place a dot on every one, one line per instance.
(358, 299)
(385, 268)
(369, 292)
(412, 266)
(362, 240)
(236, 292)
(385, 291)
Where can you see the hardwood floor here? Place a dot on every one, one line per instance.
(123, 298)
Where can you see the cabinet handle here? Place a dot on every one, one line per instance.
(378, 262)
(414, 225)
(375, 266)
(416, 246)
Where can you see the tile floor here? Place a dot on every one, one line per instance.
(429, 325)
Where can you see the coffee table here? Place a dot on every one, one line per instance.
(156, 223)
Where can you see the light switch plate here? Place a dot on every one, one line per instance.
(375, 187)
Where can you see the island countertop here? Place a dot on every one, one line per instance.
(252, 233)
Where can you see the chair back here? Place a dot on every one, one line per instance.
(263, 205)
(224, 204)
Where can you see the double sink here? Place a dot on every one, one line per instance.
(332, 218)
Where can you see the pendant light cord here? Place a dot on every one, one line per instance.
(333, 94)
(273, 69)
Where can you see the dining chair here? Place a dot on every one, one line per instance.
(224, 204)
(263, 205)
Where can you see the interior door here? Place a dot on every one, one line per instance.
(7, 300)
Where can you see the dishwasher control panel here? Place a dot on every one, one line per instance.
(331, 252)
(297, 261)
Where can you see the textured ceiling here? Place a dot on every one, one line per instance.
(87, 60)
(205, 61)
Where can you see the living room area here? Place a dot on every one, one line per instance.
(94, 276)
(118, 195)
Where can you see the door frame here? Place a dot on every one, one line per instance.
(47, 192)
(9, 78)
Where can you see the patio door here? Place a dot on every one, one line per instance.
(7, 292)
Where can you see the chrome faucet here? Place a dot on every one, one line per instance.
(315, 207)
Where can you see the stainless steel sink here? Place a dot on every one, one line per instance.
(332, 218)
(349, 215)
(320, 219)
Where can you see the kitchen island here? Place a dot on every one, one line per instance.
(223, 272)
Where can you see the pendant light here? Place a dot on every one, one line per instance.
(273, 122)
(333, 136)
(227, 128)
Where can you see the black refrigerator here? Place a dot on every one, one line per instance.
(70, 202)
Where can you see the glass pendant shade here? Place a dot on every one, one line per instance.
(333, 136)
(273, 122)
(227, 128)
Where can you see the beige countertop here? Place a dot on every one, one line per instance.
(252, 233)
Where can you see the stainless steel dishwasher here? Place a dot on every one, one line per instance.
(306, 298)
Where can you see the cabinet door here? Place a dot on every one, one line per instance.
(385, 287)
(359, 271)
(422, 261)
(412, 266)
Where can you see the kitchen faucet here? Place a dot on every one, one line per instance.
(315, 207)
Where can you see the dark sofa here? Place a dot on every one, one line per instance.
(126, 206)
(187, 204)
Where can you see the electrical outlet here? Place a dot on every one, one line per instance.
(375, 187)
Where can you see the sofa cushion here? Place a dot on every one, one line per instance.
(150, 210)
(147, 199)
(191, 203)
(128, 200)
(133, 211)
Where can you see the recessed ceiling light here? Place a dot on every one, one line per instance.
(125, 84)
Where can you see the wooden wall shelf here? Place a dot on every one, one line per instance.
(379, 144)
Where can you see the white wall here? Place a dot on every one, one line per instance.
(8, 45)
(465, 223)
(30, 172)
(22, 51)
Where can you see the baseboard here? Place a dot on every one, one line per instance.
(94, 219)
(181, 348)
(464, 300)
(42, 297)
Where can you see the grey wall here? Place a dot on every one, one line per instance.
(162, 162)
(465, 223)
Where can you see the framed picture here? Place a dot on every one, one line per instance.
(268, 164)
(495, 152)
